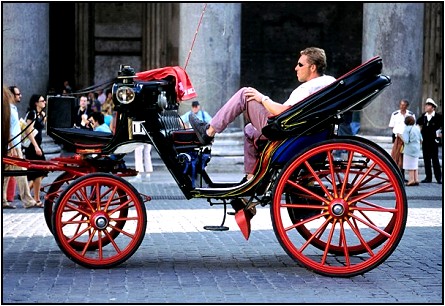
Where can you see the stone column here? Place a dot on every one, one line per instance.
(214, 63)
(84, 60)
(393, 31)
(25, 48)
(160, 35)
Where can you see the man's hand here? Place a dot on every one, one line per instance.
(253, 95)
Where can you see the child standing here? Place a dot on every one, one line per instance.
(412, 138)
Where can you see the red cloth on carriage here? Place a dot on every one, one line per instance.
(184, 87)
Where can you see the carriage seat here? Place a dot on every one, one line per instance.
(83, 138)
(185, 140)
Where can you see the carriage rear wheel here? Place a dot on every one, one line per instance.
(339, 217)
(99, 221)
(54, 191)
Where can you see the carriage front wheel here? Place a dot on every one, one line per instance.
(103, 213)
(339, 208)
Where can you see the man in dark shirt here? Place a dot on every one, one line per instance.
(82, 113)
(431, 124)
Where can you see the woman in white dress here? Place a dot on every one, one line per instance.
(412, 138)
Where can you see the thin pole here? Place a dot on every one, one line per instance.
(194, 38)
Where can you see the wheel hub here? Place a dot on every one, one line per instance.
(338, 208)
(100, 221)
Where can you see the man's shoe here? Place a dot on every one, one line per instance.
(425, 181)
(200, 128)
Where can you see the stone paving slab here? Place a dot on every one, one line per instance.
(180, 262)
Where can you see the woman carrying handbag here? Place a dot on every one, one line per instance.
(36, 118)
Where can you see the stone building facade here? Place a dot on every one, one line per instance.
(234, 44)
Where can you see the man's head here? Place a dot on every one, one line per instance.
(16, 93)
(8, 96)
(83, 102)
(195, 106)
(96, 119)
(403, 105)
(430, 105)
(311, 64)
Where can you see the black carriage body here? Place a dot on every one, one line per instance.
(152, 117)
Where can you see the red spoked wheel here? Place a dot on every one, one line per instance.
(339, 217)
(54, 191)
(99, 221)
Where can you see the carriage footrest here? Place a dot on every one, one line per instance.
(217, 228)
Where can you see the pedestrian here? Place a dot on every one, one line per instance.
(13, 95)
(196, 109)
(142, 159)
(98, 124)
(397, 124)
(108, 108)
(257, 107)
(67, 88)
(36, 119)
(412, 138)
(431, 124)
(6, 117)
(82, 113)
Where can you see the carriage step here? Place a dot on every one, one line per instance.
(217, 228)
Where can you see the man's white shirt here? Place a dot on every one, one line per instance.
(308, 88)
(397, 121)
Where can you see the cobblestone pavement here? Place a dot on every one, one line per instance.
(180, 262)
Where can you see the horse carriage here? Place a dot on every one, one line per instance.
(337, 203)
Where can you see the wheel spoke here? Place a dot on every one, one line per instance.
(121, 206)
(360, 181)
(122, 232)
(344, 243)
(372, 192)
(332, 173)
(70, 208)
(320, 230)
(78, 234)
(116, 247)
(372, 226)
(360, 237)
(90, 238)
(326, 250)
(317, 178)
(305, 221)
(346, 175)
(83, 198)
(305, 190)
(111, 197)
(100, 246)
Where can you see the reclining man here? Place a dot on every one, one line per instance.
(257, 107)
